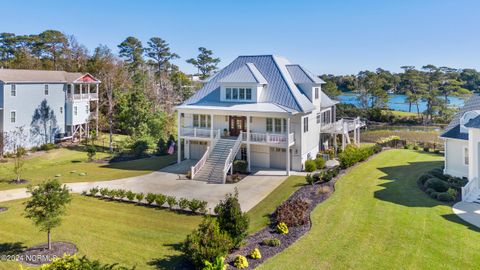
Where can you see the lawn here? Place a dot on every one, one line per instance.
(402, 113)
(109, 231)
(69, 164)
(379, 219)
(410, 133)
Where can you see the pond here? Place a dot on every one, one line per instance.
(399, 102)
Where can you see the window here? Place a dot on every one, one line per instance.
(278, 125)
(235, 93)
(75, 110)
(46, 89)
(305, 124)
(242, 93)
(228, 93)
(13, 116)
(319, 117)
(316, 92)
(13, 90)
(87, 109)
(195, 120)
(284, 125)
(327, 117)
(248, 93)
(201, 121)
(269, 124)
(465, 156)
(61, 110)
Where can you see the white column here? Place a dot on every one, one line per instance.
(288, 146)
(211, 126)
(179, 142)
(248, 144)
(355, 135)
(81, 91)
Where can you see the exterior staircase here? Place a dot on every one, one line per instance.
(213, 169)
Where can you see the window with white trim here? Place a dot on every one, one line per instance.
(238, 93)
(75, 110)
(13, 116)
(46, 89)
(276, 125)
(201, 121)
(317, 92)
(87, 110)
(305, 124)
(13, 90)
(61, 110)
(269, 127)
(465, 156)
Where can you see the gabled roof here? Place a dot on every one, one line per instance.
(281, 89)
(455, 133)
(247, 73)
(473, 103)
(473, 123)
(326, 101)
(301, 75)
(41, 76)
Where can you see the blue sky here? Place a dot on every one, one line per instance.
(339, 37)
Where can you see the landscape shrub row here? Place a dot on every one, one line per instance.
(312, 165)
(440, 186)
(160, 200)
(354, 154)
(322, 176)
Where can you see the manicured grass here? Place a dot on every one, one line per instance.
(402, 113)
(379, 219)
(69, 164)
(109, 231)
(259, 214)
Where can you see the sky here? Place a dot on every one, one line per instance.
(334, 37)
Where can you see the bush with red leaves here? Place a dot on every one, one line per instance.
(292, 212)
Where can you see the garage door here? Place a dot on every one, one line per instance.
(197, 149)
(278, 158)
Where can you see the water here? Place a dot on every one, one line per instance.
(399, 102)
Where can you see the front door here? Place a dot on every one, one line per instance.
(237, 124)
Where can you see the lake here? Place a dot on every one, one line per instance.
(399, 102)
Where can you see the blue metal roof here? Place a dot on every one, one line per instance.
(300, 75)
(473, 123)
(247, 73)
(473, 103)
(454, 133)
(281, 89)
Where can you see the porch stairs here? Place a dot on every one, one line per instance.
(213, 170)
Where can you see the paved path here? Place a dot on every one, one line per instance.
(169, 181)
(470, 212)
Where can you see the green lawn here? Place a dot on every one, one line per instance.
(402, 113)
(409, 133)
(379, 219)
(108, 231)
(70, 163)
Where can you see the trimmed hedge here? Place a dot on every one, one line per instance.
(353, 154)
(310, 166)
(440, 186)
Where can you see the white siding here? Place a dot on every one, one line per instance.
(454, 158)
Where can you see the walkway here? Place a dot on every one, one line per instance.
(470, 212)
(171, 181)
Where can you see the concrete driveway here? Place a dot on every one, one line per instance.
(171, 181)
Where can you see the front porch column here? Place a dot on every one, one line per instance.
(355, 135)
(179, 141)
(248, 144)
(288, 147)
(211, 127)
(358, 135)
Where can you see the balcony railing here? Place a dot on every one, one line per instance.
(198, 132)
(84, 96)
(270, 138)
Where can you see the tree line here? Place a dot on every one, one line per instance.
(429, 83)
(140, 86)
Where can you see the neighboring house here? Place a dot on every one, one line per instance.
(462, 141)
(261, 109)
(68, 95)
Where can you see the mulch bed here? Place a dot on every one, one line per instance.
(313, 195)
(19, 182)
(40, 254)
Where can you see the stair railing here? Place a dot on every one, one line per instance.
(231, 156)
(195, 169)
(469, 189)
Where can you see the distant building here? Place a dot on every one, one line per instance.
(70, 97)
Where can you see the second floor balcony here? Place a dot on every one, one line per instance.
(83, 96)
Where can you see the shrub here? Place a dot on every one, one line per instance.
(271, 241)
(150, 198)
(112, 194)
(423, 178)
(203, 207)
(161, 147)
(194, 205)
(310, 166)
(255, 254)
(240, 262)
(292, 213)
(282, 228)
(139, 148)
(104, 192)
(320, 163)
(73, 262)
(91, 152)
(171, 201)
(130, 195)
(140, 196)
(426, 149)
(206, 243)
(160, 200)
(453, 193)
(240, 166)
(231, 219)
(437, 184)
(94, 191)
(218, 264)
(415, 147)
(47, 146)
(457, 183)
(438, 172)
(183, 203)
(310, 179)
(121, 193)
(445, 197)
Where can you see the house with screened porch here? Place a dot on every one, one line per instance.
(262, 109)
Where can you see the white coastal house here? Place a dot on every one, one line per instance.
(70, 97)
(261, 109)
(462, 148)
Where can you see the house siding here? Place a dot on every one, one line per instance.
(454, 159)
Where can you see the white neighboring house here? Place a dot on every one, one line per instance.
(261, 109)
(69, 96)
(462, 142)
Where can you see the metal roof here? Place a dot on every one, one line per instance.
(473, 123)
(240, 106)
(247, 73)
(455, 133)
(38, 76)
(326, 101)
(473, 103)
(281, 89)
(301, 75)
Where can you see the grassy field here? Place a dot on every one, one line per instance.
(109, 231)
(411, 134)
(70, 164)
(402, 113)
(379, 219)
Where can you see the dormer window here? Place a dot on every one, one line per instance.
(238, 93)
(466, 118)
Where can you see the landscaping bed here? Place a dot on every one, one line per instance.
(40, 254)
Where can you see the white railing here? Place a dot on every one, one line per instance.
(231, 156)
(199, 132)
(195, 169)
(469, 189)
(274, 138)
(84, 96)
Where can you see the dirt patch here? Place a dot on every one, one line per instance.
(19, 182)
(40, 254)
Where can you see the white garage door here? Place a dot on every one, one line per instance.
(278, 158)
(197, 149)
